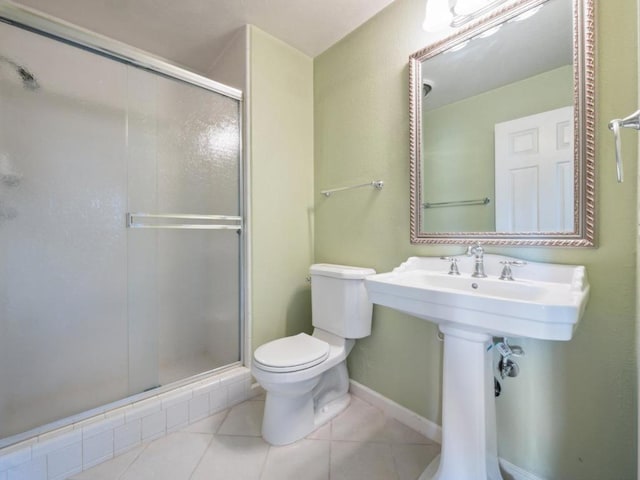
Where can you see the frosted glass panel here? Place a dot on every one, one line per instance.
(198, 278)
(198, 302)
(63, 318)
(185, 160)
(90, 311)
(198, 140)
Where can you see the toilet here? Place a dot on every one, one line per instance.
(305, 376)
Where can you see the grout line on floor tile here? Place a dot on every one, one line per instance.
(393, 459)
(331, 430)
(135, 459)
(204, 452)
(264, 462)
(330, 449)
(236, 435)
(226, 415)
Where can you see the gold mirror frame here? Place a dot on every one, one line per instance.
(584, 134)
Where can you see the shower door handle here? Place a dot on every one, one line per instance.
(632, 121)
(184, 221)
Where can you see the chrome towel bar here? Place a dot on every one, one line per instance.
(377, 184)
(457, 203)
(632, 121)
(146, 220)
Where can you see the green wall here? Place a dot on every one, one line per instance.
(281, 171)
(571, 414)
(464, 156)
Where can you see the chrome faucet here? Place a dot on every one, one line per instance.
(478, 267)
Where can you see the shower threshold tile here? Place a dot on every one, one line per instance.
(208, 425)
(360, 443)
(112, 469)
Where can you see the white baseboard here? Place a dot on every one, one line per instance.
(411, 419)
(424, 426)
(515, 472)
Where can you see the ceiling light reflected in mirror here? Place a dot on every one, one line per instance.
(442, 14)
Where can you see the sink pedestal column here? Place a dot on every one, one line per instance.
(469, 444)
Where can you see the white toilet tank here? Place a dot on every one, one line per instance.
(339, 301)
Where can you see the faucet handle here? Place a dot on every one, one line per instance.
(513, 263)
(453, 268)
(507, 274)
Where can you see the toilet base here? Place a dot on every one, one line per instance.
(293, 411)
(288, 416)
(331, 410)
(287, 420)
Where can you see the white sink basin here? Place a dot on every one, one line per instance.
(545, 301)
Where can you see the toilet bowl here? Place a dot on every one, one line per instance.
(305, 376)
(293, 395)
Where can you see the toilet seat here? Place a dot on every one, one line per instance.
(290, 354)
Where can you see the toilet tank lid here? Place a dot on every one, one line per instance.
(340, 271)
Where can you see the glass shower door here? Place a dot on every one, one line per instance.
(63, 250)
(97, 305)
(184, 243)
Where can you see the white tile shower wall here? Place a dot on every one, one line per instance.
(154, 425)
(65, 462)
(66, 451)
(127, 436)
(33, 470)
(177, 416)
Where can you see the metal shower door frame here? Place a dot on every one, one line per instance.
(57, 29)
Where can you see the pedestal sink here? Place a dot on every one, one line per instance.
(545, 301)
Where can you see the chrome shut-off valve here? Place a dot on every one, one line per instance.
(506, 365)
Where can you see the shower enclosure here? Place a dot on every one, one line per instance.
(121, 236)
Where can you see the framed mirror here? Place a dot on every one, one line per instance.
(502, 129)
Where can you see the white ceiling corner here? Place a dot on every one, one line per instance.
(193, 33)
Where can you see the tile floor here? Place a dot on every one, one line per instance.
(359, 444)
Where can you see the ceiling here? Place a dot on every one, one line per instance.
(193, 33)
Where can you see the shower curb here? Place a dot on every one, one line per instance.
(66, 451)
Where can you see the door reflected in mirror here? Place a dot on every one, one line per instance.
(500, 115)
